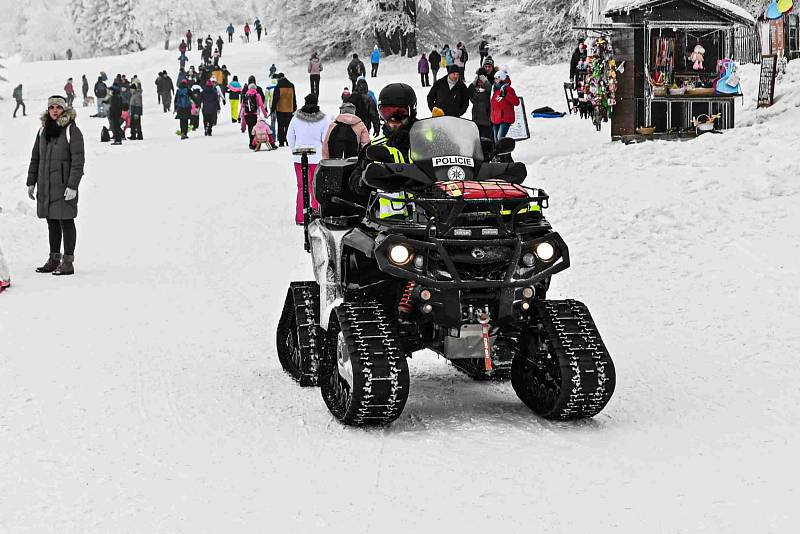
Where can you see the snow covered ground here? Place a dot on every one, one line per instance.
(144, 393)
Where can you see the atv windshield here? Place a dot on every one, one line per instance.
(440, 137)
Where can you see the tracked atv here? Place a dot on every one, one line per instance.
(451, 254)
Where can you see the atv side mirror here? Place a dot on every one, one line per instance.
(379, 153)
(504, 146)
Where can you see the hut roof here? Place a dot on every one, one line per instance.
(734, 12)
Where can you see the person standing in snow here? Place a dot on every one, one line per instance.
(483, 50)
(17, 94)
(69, 90)
(84, 88)
(209, 104)
(54, 174)
(246, 32)
(230, 31)
(307, 128)
(257, 24)
(100, 94)
(183, 107)
(447, 56)
(423, 67)
(165, 89)
(69, 54)
(115, 114)
(189, 40)
(182, 47)
(136, 111)
(460, 56)
(375, 59)
(355, 69)
(480, 92)
(449, 94)
(284, 104)
(434, 60)
(234, 96)
(314, 70)
(220, 42)
(346, 135)
(504, 100)
(577, 55)
(249, 108)
(366, 107)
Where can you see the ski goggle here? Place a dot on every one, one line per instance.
(395, 113)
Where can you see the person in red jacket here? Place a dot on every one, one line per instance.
(504, 100)
(247, 32)
(69, 89)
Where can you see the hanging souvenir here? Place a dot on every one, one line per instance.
(773, 13)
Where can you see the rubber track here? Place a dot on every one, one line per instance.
(587, 372)
(380, 394)
(305, 298)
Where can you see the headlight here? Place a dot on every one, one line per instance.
(399, 254)
(545, 251)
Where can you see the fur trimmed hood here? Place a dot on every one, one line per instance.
(67, 117)
(309, 117)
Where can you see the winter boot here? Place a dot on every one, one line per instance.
(66, 266)
(52, 263)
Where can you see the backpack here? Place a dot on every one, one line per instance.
(251, 103)
(182, 99)
(101, 91)
(105, 137)
(342, 142)
(352, 69)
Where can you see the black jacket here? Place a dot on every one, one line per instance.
(435, 60)
(573, 62)
(209, 101)
(115, 107)
(355, 69)
(481, 110)
(453, 102)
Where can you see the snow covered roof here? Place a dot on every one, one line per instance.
(738, 12)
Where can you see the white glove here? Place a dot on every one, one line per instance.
(31, 192)
(70, 194)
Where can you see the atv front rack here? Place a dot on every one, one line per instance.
(447, 209)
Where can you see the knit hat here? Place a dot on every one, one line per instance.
(311, 100)
(347, 107)
(57, 100)
(184, 82)
(208, 83)
(501, 75)
(488, 60)
(453, 68)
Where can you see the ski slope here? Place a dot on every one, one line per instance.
(144, 393)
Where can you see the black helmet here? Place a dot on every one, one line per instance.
(399, 94)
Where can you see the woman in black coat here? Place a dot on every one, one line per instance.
(54, 175)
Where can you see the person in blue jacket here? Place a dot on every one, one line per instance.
(375, 59)
(230, 31)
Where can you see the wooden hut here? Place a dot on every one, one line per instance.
(655, 39)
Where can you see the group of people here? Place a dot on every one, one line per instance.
(491, 94)
(209, 54)
(362, 119)
(120, 102)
